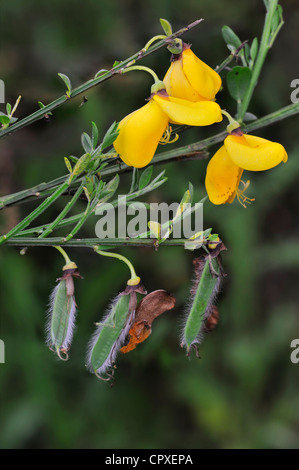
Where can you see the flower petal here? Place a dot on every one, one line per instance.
(177, 83)
(201, 113)
(222, 178)
(139, 134)
(202, 78)
(254, 153)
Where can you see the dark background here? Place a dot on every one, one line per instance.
(243, 391)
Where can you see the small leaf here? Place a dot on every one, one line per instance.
(67, 81)
(100, 73)
(94, 135)
(145, 177)
(73, 159)
(230, 37)
(86, 142)
(166, 27)
(238, 80)
(8, 108)
(4, 119)
(110, 136)
(116, 63)
(41, 105)
(81, 165)
(249, 117)
(276, 18)
(68, 165)
(254, 49)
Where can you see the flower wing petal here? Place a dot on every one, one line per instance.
(201, 113)
(254, 153)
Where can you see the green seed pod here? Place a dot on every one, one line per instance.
(109, 336)
(206, 287)
(62, 313)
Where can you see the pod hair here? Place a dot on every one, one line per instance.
(62, 314)
(109, 336)
(201, 314)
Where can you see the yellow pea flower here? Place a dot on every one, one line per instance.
(190, 78)
(141, 131)
(239, 152)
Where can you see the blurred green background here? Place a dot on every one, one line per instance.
(243, 390)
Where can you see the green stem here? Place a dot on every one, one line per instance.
(182, 153)
(81, 222)
(265, 45)
(144, 69)
(63, 213)
(152, 40)
(39, 210)
(91, 242)
(120, 257)
(92, 83)
(64, 254)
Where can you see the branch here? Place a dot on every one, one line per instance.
(94, 82)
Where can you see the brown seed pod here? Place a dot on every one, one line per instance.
(150, 307)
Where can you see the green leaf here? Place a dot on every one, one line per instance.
(145, 177)
(73, 159)
(67, 81)
(249, 117)
(81, 165)
(276, 18)
(166, 26)
(238, 80)
(100, 73)
(86, 142)
(8, 108)
(110, 136)
(94, 135)
(116, 63)
(254, 49)
(68, 165)
(230, 37)
(4, 119)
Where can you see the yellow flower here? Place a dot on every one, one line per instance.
(191, 79)
(141, 131)
(239, 152)
(139, 134)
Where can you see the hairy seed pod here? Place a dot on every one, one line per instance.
(208, 273)
(109, 336)
(62, 313)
